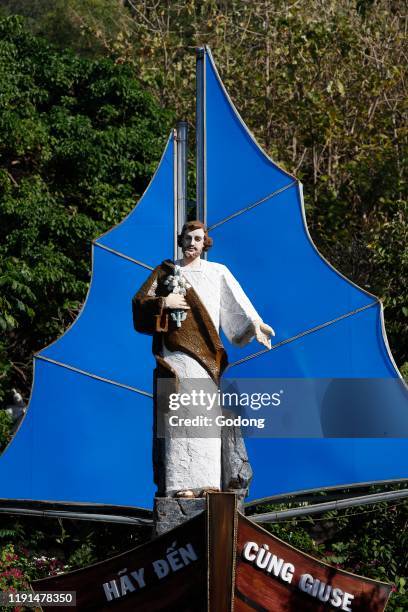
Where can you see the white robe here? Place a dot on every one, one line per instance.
(195, 463)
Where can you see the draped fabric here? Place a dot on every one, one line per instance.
(195, 462)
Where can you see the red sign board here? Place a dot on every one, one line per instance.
(164, 574)
(273, 576)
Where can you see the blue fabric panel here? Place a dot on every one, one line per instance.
(238, 172)
(102, 339)
(291, 286)
(348, 401)
(352, 347)
(82, 440)
(269, 251)
(282, 466)
(147, 232)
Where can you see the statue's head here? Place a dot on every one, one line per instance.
(194, 239)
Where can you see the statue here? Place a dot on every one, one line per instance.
(183, 305)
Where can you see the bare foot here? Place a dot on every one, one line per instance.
(207, 490)
(188, 494)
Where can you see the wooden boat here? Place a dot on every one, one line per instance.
(218, 561)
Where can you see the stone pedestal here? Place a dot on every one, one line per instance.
(169, 512)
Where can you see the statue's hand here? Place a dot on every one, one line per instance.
(263, 333)
(258, 329)
(176, 301)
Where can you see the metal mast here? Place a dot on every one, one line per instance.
(200, 136)
(180, 181)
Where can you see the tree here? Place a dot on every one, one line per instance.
(80, 139)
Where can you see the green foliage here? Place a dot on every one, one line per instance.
(5, 429)
(84, 25)
(11, 574)
(294, 534)
(84, 555)
(404, 370)
(34, 549)
(80, 140)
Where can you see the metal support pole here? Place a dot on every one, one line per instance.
(375, 498)
(175, 202)
(200, 136)
(82, 516)
(333, 492)
(181, 174)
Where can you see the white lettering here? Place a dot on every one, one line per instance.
(138, 575)
(324, 592)
(347, 602)
(337, 598)
(173, 403)
(175, 561)
(188, 554)
(161, 567)
(275, 565)
(306, 583)
(184, 399)
(125, 585)
(270, 563)
(231, 397)
(262, 559)
(244, 399)
(315, 587)
(276, 400)
(287, 572)
(212, 398)
(111, 590)
(247, 552)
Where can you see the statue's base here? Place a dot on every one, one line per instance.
(169, 512)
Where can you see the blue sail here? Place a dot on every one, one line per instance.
(326, 326)
(87, 433)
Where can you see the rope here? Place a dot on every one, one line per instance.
(119, 254)
(94, 376)
(301, 334)
(257, 203)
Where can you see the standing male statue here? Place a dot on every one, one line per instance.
(184, 318)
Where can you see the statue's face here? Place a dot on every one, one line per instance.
(192, 243)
